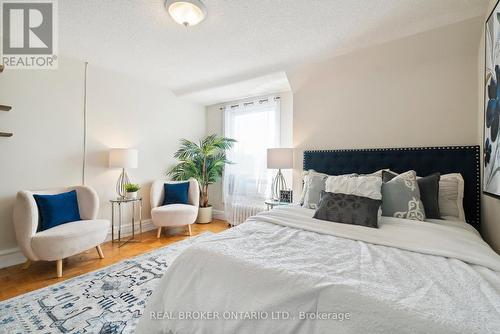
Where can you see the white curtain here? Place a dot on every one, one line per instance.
(247, 183)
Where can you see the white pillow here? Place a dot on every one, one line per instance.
(364, 186)
(314, 184)
(451, 197)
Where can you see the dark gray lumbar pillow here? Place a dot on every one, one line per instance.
(348, 209)
(429, 192)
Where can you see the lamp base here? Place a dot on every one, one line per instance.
(279, 184)
(120, 184)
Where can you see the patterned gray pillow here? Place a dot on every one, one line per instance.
(429, 192)
(348, 209)
(401, 197)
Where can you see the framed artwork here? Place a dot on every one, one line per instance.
(491, 138)
(286, 196)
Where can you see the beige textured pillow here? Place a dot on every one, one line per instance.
(451, 197)
(363, 186)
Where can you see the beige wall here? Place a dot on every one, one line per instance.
(490, 206)
(214, 124)
(416, 91)
(46, 149)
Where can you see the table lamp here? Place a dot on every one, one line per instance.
(279, 158)
(122, 158)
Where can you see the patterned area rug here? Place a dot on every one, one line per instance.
(110, 300)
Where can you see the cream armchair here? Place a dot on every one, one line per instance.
(64, 240)
(174, 214)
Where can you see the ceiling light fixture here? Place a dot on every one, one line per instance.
(186, 12)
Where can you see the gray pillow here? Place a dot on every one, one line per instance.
(316, 183)
(348, 209)
(401, 197)
(429, 192)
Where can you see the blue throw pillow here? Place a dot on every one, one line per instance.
(57, 209)
(176, 193)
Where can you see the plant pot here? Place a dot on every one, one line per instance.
(204, 215)
(132, 195)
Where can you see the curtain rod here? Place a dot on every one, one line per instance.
(249, 103)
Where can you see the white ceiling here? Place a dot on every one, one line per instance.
(240, 39)
(262, 85)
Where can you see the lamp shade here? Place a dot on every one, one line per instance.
(123, 158)
(280, 158)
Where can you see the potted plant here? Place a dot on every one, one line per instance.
(205, 162)
(132, 190)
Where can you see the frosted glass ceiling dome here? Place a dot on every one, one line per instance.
(186, 12)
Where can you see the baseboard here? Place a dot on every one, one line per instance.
(147, 225)
(218, 214)
(12, 256)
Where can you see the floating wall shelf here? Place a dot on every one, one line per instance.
(4, 108)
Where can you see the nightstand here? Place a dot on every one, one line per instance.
(271, 203)
(119, 202)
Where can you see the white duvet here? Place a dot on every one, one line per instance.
(285, 272)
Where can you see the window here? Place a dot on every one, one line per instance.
(247, 183)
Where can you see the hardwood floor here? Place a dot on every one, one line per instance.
(15, 280)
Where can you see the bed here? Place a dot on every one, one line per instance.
(283, 271)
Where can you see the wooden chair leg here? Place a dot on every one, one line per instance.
(99, 251)
(59, 266)
(189, 226)
(26, 264)
(159, 232)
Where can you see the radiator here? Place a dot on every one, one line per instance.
(239, 212)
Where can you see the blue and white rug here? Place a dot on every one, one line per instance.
(110, 300)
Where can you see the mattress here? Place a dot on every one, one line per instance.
(284, 272)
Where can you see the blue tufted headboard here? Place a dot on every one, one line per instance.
(423, 160)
